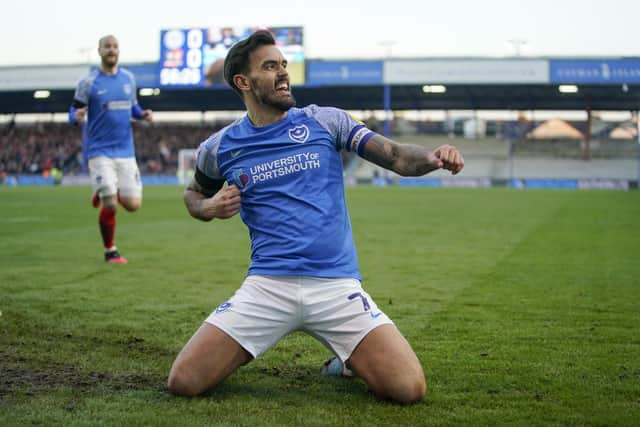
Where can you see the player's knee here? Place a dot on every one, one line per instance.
(110, 203)
(411, 391)
(181, 383)
(407, 389)
(406, 392)
(131, 205)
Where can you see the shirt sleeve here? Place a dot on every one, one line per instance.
(83, 91)
(207, 157)
(348, 132)
(136, 109)
(134, 90)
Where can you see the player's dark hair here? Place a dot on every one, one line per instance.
(237, 59)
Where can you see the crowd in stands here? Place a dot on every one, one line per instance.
(37, 148)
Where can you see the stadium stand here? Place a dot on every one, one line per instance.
(35, 149)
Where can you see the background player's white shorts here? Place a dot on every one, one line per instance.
(338, 312)
(110, 175)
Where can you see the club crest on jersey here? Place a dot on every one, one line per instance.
(127, 88)
(299, 134)
(240, 178)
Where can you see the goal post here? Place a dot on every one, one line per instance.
(186, 165)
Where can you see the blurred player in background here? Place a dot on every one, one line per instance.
(283, 171)
(106, 98)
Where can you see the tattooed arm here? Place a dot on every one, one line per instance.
(206, 204)
(411, 160)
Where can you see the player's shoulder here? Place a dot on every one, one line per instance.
(213, 141)
(207, 153)
(125, 72)
(328, 114)
(89, 78)
(313, 110)
(331, 118)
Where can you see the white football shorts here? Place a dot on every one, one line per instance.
(112, 175)
(337, 312)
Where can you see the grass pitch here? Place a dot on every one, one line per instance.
(523, 306)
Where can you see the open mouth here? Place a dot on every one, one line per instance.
(282, 87)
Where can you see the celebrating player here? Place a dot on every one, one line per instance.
(107, 99)
(283, 172)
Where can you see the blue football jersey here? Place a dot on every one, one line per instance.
(110, 99)
(293, 201)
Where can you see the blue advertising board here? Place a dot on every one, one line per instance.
(344, 73)
(146, 74)
(605, 71)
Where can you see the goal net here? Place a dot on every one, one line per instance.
(186, 165)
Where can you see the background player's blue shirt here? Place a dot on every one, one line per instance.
(293, 201)
(110, 99)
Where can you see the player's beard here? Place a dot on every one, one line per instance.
(109, 62)
(271, 98)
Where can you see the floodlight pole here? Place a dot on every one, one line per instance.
(517, 44)
(86, 52)
(387, 110)
(587, 135)
(638, 128)
(388, 45)
(510, 161)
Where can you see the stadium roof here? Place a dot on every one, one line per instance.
(464, 84)
(405, 97)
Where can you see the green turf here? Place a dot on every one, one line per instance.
(523, 306)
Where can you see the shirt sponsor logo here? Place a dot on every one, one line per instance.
(299, 134)
(119, 105)
(284, 166)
